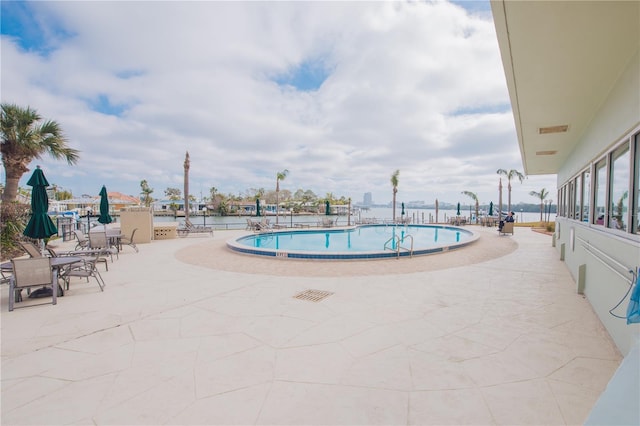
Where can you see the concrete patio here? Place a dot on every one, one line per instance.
(189, 333)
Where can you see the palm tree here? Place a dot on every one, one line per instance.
(146, 193)
(279, 176)
(473, 196)
(25, 138)
(510, 175)
(187, 166)
(541, 195)
(394, 184)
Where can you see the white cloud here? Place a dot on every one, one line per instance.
(412, 86)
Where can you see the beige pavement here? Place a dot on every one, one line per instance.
(189, 333)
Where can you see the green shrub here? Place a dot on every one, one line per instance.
(13, 219)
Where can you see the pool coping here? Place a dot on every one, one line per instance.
(235, 246)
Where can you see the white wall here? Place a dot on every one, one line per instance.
(619, 115)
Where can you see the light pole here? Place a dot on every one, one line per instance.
(204, 215)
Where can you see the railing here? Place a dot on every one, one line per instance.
(604, 258)
(396, 240)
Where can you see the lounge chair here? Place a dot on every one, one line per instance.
(327, 222)
(187, 228)
(264, 225)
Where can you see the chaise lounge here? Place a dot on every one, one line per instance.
(187, 228)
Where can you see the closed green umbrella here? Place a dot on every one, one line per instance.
(491, 208)
(458, 212)
(40, 225)
(104, 207)
(402, 213)
(327, 208)
(258, 207)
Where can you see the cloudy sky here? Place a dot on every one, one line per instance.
(339, 93)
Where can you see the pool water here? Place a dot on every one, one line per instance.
(366, 241)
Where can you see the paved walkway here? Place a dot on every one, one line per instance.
(188, 333)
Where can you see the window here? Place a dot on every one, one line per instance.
(586, 192)
(577, 211)
(635, 217)
(620, 173)
(600, 196)
(571, 200)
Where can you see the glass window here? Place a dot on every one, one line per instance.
(620, 173)
(570, 199)
(578, 202)
(636, 186)
(600, 196)
(586, 192)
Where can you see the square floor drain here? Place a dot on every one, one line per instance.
(313, 295)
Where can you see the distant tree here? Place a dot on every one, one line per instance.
(146, 193)
(25, 138)
(542, 195)
(279, 176)
(510, 174)
(474, 197)
(63, 195)
(223, 205)
(394, 184)
(255, 193)
(174, 194)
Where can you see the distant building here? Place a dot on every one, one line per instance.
(367, 200)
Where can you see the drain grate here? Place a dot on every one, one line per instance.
(313, 295)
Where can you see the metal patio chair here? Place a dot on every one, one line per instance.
(32, 272)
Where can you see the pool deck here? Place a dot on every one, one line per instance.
(187, 332)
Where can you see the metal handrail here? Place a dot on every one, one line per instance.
(411, 250)
(398, 245)
(397, 249)
(599, 255)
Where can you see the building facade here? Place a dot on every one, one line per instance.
(573, 73)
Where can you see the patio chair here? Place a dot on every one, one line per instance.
(130, 241)
(31, 272)
(507, 228)
(99, 242)
(84, 269)
(83, 242)
(31, 249)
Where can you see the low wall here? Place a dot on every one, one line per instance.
(166, 231)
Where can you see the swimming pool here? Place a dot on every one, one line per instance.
(361, 242)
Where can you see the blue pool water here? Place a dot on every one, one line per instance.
(362, 242)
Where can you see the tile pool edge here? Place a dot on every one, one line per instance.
(233, 245)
